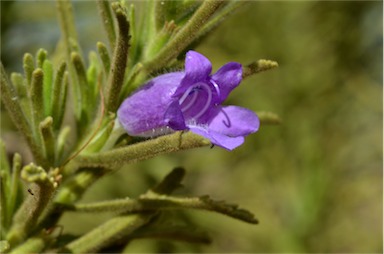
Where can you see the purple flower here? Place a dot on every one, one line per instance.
(190, 100)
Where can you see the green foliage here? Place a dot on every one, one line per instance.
(66, 113)
(312, 180)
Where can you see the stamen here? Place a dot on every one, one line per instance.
(192, 101)
(216, 86)
(185, 95)
(209, 99)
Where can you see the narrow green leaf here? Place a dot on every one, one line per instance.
(37, 95)
(259, 66)
(135, 48)
(5, 179)
(29, 66)
(152, 202)
(8, 95)
(85, 91)
(41, 56)
(100, 139)
(59, 91)
(66, 18)
(63, 100)
(15, 184)
(161, 38)
(18, 82)
(47, 87)
(104, 56)
(268, 117)
(46, 130)
(62, 142)
(120, 57)
(4, 164)
(171, 182)
(22, 94)
(93, 76)
(106, 17)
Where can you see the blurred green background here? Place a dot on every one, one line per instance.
(315, 181)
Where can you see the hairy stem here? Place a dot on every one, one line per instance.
(143, 150)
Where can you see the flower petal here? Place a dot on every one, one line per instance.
(142, 114)
(218, 139)
(227, 78)
(197, 69)
(197, 66)
(234, 121)
(174, 117)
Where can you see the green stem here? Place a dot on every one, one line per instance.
(106, 16)
(144, 150)
(120, 56)
(10, 100)
(152, 201)
(112, 230)
(184, 37)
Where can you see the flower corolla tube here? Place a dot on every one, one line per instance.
(190, 100)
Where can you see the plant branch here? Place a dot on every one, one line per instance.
(152, 202)
(144, 150)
